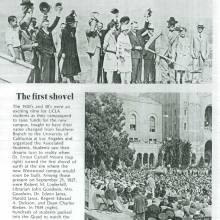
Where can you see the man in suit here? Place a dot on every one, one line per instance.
(199, 49)
(94, 46)
(136, 52)
(149, 57)
(139, 205)
(166, 47)
(182, 56)
(101, 73)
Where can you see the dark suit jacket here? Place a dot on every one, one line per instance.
(135, 40)
(147, 55)
(139, 204)
(145, 37)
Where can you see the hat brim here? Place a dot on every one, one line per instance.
(172, 22)
(115, 12)
(71, 22)
(27, 3)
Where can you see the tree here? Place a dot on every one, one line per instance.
(186, 152)
(176, 152)
(172, 152)
(105, 138)
(160, 158)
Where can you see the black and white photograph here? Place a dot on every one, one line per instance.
(109, 109)
(148, 156)
(111, 42)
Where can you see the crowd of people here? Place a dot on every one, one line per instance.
(53, 55)
(117, 52)
(145, 194)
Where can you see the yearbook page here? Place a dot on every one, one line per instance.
(109, 110)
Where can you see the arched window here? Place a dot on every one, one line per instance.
(152, 124)
(208, 152)
(133, 122)
(145, 158)
(151, 160)
(185, 126)
(208, 116)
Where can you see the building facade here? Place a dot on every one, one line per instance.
(196, 124)
(144, 126)
(153, 117)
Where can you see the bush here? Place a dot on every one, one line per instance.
(176, 152)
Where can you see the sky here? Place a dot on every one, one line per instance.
(161, 8)
(187, 12)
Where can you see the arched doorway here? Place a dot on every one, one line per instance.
(151, 160)
(145, 158)
(139, 158)
(208, 152)
(208, 117)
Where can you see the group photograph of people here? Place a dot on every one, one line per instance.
(142, 44)
(129, 178)
(147, 194)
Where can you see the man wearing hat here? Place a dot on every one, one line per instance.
(26, 5)
(149, 57)
(136, 52)
(115, 14)
(139, 205)
(166, 47)
(199, 49)
(151, 184)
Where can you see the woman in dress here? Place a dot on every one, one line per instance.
(47, 49)
(71, 66)
(124, 55)
(110, 47)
